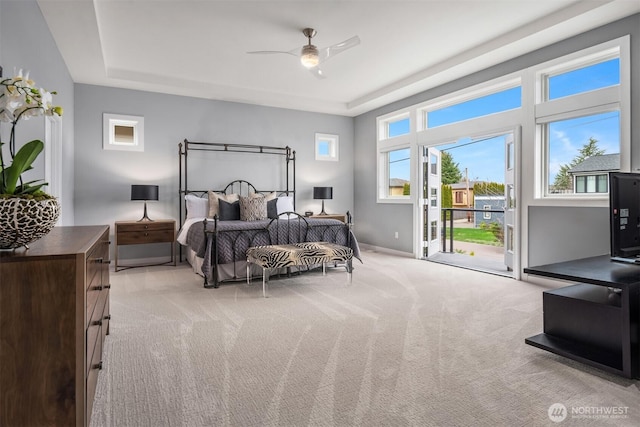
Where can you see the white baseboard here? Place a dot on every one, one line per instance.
(367, 247)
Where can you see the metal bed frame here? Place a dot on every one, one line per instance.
(185, 147)
(326, 232)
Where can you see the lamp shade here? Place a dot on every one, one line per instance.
(323, 193)
(144, 192)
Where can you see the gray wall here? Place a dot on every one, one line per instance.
(103, 178)
(25, 42)
(580, 233)
(377, 222)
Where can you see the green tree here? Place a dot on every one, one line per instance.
(450, 170)
(406, 189)
(563, 180)
(447, 198)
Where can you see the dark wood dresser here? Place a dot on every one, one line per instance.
(54, 315)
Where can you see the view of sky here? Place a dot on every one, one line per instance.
(484, 158)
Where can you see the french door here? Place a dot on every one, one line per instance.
(431, 201)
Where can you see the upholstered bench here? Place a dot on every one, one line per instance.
(297, 255)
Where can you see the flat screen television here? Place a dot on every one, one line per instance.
(624, 216)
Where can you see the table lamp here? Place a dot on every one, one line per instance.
(144, 192)
(323, 193)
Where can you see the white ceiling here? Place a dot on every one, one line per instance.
(198, 48)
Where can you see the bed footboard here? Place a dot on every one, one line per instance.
(228, 245)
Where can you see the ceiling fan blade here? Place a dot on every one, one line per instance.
(331, 51)
(270, 52)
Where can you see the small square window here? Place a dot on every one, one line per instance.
(327, 147)
(125, 133)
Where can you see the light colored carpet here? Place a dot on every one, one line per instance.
(408, 343)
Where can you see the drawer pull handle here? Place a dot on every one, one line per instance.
(107, 286)
(107, 261)
(97, 288)
(96, 323)
(97, 365)
(107, 317)
(146, 234)
(146, 227)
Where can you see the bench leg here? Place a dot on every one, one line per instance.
(248, 273)
(264, 282)
(324, 268)
(350, 270)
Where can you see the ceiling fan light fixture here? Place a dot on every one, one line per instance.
(309, 56)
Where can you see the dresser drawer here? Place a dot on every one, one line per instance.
(94, 366)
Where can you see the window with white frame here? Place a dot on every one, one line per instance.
(483, 104)
(397, 172)
(394, 157)
(327, 147)
(579, 106)
(580, 110)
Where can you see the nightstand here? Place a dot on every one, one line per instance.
(145, 232)
(339, 217)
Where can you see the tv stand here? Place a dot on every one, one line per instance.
(596, 320)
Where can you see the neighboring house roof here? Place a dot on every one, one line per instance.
(463, 185)
(397, 182)
(605, 162)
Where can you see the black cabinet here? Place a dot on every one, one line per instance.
(595, 321)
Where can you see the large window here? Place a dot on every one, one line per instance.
(582, 146)
(399, 169)
(394, 157)
(574, 113)
(477, 107)
(580, 121)
(583, 79)
(398, 127)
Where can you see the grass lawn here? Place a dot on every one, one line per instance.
(474, 235)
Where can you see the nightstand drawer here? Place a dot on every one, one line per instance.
(147, 236)
(145, 226)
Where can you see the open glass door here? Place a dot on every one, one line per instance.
(431, 201)
(510, 211)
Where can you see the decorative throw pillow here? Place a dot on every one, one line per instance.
(213, 201)
(197, 207)
(272, 209)
(228, 211)
(268, 196)
(253, 208)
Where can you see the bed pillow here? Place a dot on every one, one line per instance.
(213, 201)
(285, 204)
(197, 207)
(272, 209)
(253, 208)
(228, 211)
(267, 197)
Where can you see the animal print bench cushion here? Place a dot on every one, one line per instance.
(307, 253)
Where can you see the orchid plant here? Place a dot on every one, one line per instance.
(21, 99)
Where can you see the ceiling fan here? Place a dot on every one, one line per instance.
(310, 56)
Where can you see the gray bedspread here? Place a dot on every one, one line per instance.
(234, 237)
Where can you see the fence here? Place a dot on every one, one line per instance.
(449, 214)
